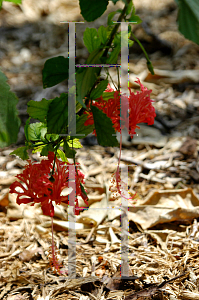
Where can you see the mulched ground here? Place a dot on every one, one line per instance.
(162, 165)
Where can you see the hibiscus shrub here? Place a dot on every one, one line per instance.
(98, 108)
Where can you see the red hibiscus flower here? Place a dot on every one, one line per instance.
(141, 109)
(111, 108)
(39, 186)
(138, 107)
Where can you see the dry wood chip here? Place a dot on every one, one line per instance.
(188, 147)
(3, 159)
(95, 171)
(4, 201)
(73, 284)
(176, 76)
(6, 289)
(16, 162)
(7, 181)
(187, 295)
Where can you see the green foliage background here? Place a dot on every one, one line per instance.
(9, 120)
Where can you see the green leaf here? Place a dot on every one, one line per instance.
(9, 120)
(42, 148)
(57, 117)
(45, 149)
(21, 152)
(102, 32)
(115, 1)
(74, 143)
(108, 95)
(81, 129)
(85, 82)
(94, 57)
(135, 19)
(14, 1)
(91, 39)
(38, 110)
(114, 55)
(86, 77)
(124, 38)
(38, 147)
(26, 128)
(131, 43)
(36, 131)
(70, 153)
(83, 190)
(92, 9)
(150, 67)
(118, 43)
(61, 154)
(78, 106)
(130, 6)
(117, 39)
(97, 92)
(104, 128)
(110, 17)
(55, 71)
(51, 137)
(188, 19)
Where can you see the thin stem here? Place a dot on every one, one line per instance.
(119, 183)
(115, 29)
(141, 46)
(55, 265)
(109, 75)
(120, 153)
(117, 174)
(74, 161)
(53, 243)
(53, 170)
(107, 46)
(118, 78)
(54, 163)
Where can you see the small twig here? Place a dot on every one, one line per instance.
(153, 289)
